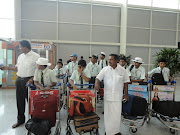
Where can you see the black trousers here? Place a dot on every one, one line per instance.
(21, 96)
(92, 81)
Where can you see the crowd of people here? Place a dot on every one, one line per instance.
(109, 72)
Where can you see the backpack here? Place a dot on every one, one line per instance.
(158, 79)
(80, 105)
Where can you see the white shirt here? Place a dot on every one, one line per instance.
(77, 80)
(114, 80)
(72, 66)
(127, 69)
(165, 72)
(137, 74)
(102, 64)
(93, 68)
(26, 64)
(48, 76)
(60, 71)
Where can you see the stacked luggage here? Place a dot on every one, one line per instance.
(82, 112)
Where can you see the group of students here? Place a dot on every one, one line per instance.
(82, 73)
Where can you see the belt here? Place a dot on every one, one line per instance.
(22, 78)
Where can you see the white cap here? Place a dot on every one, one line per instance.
(138, 59)
(103, 53)
(43, 61)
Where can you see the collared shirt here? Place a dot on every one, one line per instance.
(114, 80)
(60, 71)
(72, 66)
(77, 80)
(165, 72)
(137, 74)
(102, 64)
(127, 69)
(48, 76)
(93, 68)
(26, 64)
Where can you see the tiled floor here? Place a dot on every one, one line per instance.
(8, 115)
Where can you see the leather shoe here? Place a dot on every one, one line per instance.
(17, 124)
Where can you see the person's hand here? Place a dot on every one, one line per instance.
(47, 88)
(80, 70)
(126, 97)
(57, 75)
(42, 88)
(4, 68)
(74, 87)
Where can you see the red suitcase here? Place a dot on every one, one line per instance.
(101, 92)
(45, 107)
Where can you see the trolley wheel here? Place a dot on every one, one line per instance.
(173, 131)
(132, 130)
(94, 130)
(81, 133)
(148, 119)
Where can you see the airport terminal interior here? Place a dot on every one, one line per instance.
(140, 31)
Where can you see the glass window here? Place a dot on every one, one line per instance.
(173, 4)
(7, 27)
(111, 1)
(140, 2)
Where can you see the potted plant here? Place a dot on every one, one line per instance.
(172, 56)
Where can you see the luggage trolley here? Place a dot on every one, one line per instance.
(135, 122)
(87, 91)
(164, 93)
(55, 90)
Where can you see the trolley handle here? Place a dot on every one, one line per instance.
(29, 85)
(68, 84)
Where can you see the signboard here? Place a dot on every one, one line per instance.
(14, 76)
(140, 88)
(161, 96)
(90, 93)
(37, 92)
(163, 88)
(48, 47)
(139, 94)
(37, 46)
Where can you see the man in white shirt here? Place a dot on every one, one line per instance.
(115, 79)
(59, 70)
(72, 66)
(102, 63)
(161, 69)
(137, 71)
(80, 76)
(123, 63)
(25, 67)
(44, 76)
(93, 67)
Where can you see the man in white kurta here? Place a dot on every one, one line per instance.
(115, 78)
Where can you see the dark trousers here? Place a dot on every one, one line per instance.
(92, 81)
(21, 95)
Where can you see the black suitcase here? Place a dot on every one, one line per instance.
(139, 106)
(87, 123)
(167, 108)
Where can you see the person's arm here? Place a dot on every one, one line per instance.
(139, 80)
(85, 78)
(9, 68)
(126, 91)
(72, 84)
(97, 84)
(36, 83)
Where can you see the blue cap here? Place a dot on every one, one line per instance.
(74, 55)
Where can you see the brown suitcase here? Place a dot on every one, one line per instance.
(86, 123)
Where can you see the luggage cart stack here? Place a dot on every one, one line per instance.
(83, 124)
(55, 90)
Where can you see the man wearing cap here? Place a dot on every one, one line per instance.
(43, 75)
(72, 66)
(93, 67)
(137, 71)
(25, 67)
(102, 63)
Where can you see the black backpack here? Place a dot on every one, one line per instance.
(158, 79)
